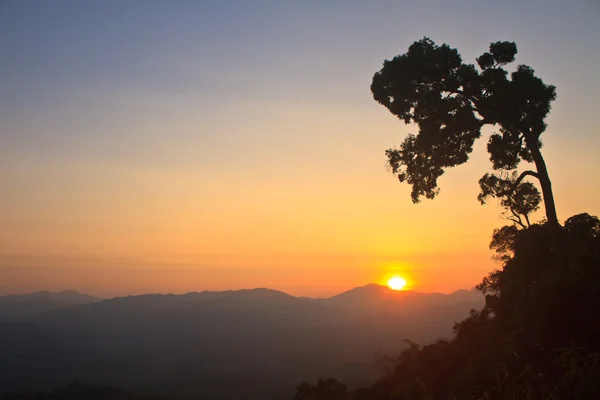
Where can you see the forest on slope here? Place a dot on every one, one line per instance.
(538, 335)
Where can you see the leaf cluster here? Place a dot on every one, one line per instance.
(450, 101)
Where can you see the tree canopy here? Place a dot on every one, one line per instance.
(537, 337)
(450, 102)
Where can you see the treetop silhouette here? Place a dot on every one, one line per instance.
(451, 101)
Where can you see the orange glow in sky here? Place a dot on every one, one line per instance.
(241, 147)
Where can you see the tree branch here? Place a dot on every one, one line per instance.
(518, 219)
(518, 181)
(472, 99)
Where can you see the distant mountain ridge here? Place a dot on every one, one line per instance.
(22, 306)
(371, 298)
(378, 295)
(75, 296)
(374, 298)
(264, 340)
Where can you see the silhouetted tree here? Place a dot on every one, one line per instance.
(451, 101)
(538, 336)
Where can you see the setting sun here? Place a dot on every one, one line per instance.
(396, 283)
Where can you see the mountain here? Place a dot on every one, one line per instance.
(387, 313)
(380, 298)
(24, 306)
(376, 301)
(252, 344)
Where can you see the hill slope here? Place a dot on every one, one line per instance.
(264, 341)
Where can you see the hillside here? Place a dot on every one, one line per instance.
(263, 340)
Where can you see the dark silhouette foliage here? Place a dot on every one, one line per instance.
(451, 101)
(518, 199)
(538, 336)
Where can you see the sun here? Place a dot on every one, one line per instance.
(396, 283)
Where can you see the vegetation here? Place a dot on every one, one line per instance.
(538, 335)
(451, 102)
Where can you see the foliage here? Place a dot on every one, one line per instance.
(538, 336)
(519, 199)
(451, 101)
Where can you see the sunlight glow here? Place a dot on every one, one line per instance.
(396, 283)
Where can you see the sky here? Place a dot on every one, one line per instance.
(207, 145)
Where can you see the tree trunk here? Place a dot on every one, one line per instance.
(544, 178)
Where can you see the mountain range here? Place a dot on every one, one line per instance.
(23, 306)
(251, 344)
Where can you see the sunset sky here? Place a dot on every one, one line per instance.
(154, 146)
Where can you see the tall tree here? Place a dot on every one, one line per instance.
(451, 101)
